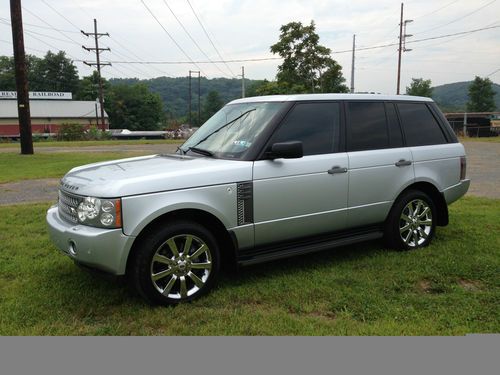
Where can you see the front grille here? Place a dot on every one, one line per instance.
(67, 206)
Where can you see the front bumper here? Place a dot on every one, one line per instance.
(457, 191)
(104, 249)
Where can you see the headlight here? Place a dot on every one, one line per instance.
(104, 213)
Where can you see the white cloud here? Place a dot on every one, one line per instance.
(246, 29)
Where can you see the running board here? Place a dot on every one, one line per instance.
(280, 251)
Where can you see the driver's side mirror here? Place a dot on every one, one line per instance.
(286, 150)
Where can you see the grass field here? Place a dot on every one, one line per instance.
(449, 288)
(94, 143)
(15, 167)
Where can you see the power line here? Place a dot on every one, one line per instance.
(437, 10)
(44, 27)
(190, 37)
(37, 33)
(132, 53)
(170, 36)
(496, 71)
(457, 19)
(208, 37)
(48, 24)
(280, 58)
(60, 14)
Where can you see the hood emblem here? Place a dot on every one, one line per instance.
(67, 186)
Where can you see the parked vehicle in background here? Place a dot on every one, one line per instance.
(264, 178)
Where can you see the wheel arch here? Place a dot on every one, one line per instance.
(437, 197)
(204, 218)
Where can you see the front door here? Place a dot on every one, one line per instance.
(296, 198)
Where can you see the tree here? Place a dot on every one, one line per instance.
(307, 65)
(134, 107)
(88, 87)
(211, 105)
(419, 87)
(53, 72)
(57, 72)
(481, 96)
(8, 76)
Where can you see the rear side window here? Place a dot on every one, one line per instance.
(419, 125)
(367, 127)
(316, 125)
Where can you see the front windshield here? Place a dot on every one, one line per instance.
(232, 131)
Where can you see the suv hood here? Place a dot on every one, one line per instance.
(154, 173)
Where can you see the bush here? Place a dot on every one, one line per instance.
(71, 132)
(96, 134)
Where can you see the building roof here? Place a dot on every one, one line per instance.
(52, 108)
(306, 97)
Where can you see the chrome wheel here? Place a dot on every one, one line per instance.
(181, 266)
(415, 223)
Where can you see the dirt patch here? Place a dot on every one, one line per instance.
(429, 287)
(330, 315)
(28, 191)
(470, 285)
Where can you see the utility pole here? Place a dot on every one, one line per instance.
(402, 45)
(98, 64)
(189, 106)
(352, 64)
(242, 81)
(400, 49)
(199, 95)
(23, 101)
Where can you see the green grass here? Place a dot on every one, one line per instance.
(94, 143)
(449, 288)
(15, 167)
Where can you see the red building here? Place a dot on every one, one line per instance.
(47, 115)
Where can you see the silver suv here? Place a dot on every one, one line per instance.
(264, 178)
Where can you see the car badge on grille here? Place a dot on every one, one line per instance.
(68, 186)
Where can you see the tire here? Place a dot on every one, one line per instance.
(176, 262)
(411, 223)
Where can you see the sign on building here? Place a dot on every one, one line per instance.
(38, 95)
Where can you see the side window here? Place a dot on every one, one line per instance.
(367, 126)
(419, 125)
(315, 124)
(395, 136)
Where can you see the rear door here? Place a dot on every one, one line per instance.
(435, 159)
(379, 164)
(296, 198)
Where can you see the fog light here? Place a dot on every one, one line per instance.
(72, 248)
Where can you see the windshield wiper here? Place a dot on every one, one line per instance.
(223, 126)
(201, 151)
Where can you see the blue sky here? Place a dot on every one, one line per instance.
(246, 28)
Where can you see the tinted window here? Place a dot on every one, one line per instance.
(313, 124)
(419, 125)
(395, 136)
(367, 128)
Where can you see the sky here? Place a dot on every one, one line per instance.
(245, 29)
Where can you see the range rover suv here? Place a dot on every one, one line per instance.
(264, 178)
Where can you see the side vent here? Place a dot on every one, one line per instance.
(245, 203)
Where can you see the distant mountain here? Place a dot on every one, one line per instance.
(454, 96)
(175, 91)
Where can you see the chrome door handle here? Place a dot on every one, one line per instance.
(337, 169)
(402, 163)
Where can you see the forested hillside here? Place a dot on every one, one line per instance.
(175, 91)
(454, 96)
